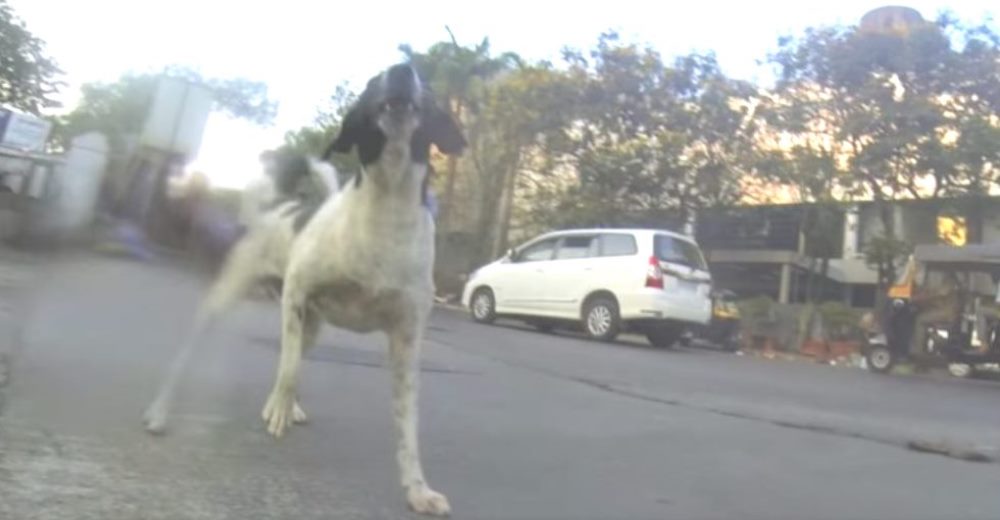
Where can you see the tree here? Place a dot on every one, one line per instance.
(457, 75)
(28, 76)
(885, 254)
(655, 138)
(906, 114)
(314, 139)
(974, 115)
(118, 109)
(516, 115)
(811, 169)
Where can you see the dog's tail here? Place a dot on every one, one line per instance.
(303, 179)
(256, 199)
(326, 175)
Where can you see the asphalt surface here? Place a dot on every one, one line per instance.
(515, 424)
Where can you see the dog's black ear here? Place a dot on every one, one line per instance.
(358, 130)
(351, 131)
(443, 131)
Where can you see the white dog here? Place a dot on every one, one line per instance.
(362, 260)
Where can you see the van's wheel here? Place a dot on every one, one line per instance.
(880, 358)
(664, 335)
(483, 306)
(601, 320)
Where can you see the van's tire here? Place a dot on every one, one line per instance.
(483, 306)
(601, 319)
(664, 335)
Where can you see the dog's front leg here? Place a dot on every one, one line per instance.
(404, 355)
(279, 411)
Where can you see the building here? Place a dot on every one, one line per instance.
(760, 250)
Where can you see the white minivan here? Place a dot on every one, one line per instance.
(649, 281)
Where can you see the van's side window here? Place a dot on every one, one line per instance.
(538, 252)
(618, 244)
(578, 247)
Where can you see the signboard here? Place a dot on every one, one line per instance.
(23, 132)
(177, 117)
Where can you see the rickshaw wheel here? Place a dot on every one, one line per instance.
(880, 359)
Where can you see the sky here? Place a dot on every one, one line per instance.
(303, 49)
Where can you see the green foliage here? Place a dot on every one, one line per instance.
(118, 109)
(457, 73)
(115, 109)
(618, 135)
(840, 322)
(903, 114)
(313, 140)
(652, 136)
(757, 308)
(28, 76)
(885, 254)
(463, 78)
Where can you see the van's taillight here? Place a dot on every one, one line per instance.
(654, 275)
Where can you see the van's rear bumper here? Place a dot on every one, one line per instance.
(657, 304)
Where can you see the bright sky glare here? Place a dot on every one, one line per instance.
(304, 49)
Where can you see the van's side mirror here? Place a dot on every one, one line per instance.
(510, 255)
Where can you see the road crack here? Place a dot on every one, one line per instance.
(962, 453)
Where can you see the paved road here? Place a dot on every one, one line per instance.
(515, 424)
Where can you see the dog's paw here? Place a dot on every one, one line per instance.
(426, 501)
(298, 414)
(155, 419)
(278, 412)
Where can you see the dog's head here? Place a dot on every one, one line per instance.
(397, 108)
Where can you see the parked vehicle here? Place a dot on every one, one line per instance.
(652, 282)
(971, 338)
(723, 330)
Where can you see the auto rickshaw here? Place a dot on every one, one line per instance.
(723, 329)
(970, 339)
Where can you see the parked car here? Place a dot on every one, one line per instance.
(652, 282)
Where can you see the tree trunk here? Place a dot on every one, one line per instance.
(489, 209)
(502, 242)
(824, 272)
(449, 194)
(450, 174)
(888, 269)
(811, 282)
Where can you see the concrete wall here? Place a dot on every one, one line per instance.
(914, 222)
(80, 183)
